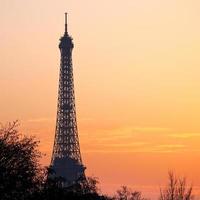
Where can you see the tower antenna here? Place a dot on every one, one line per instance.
(66, 33)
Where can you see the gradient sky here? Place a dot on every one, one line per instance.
(137, 85)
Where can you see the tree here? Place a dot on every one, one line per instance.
(90, 185)
(22, 177)
(125, 193)
(176, 189)
(19, 163)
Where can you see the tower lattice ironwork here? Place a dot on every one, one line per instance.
(66, 158)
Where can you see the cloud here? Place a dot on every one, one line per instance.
(184, 135)
(40, 120)
(86, 119)
(151, 129)
(132, 144)
(135, 147)
(170, 146)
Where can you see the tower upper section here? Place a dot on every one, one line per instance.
(66, 42)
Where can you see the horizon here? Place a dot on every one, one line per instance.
(137, 88)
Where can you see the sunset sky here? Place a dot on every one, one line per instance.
(137, 84)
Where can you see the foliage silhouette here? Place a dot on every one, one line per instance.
(125, 193)
(176, 189)
(22, 177)
(19, 164)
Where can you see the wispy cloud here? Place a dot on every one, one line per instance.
(184, 135)
(151, 129)
(132, 144)
(40, 119)
(86, 119)
(170, 146)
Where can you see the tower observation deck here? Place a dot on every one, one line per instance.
(66, 158)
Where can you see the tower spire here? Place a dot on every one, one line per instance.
(66, 33)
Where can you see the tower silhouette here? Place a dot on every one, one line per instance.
(66, 158)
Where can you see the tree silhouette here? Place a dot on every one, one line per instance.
(176, 189)
(19, 167)
(22, 177)
(125, 193)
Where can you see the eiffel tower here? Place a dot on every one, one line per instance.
(66, 158)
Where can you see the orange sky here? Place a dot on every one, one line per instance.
(136, 67)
